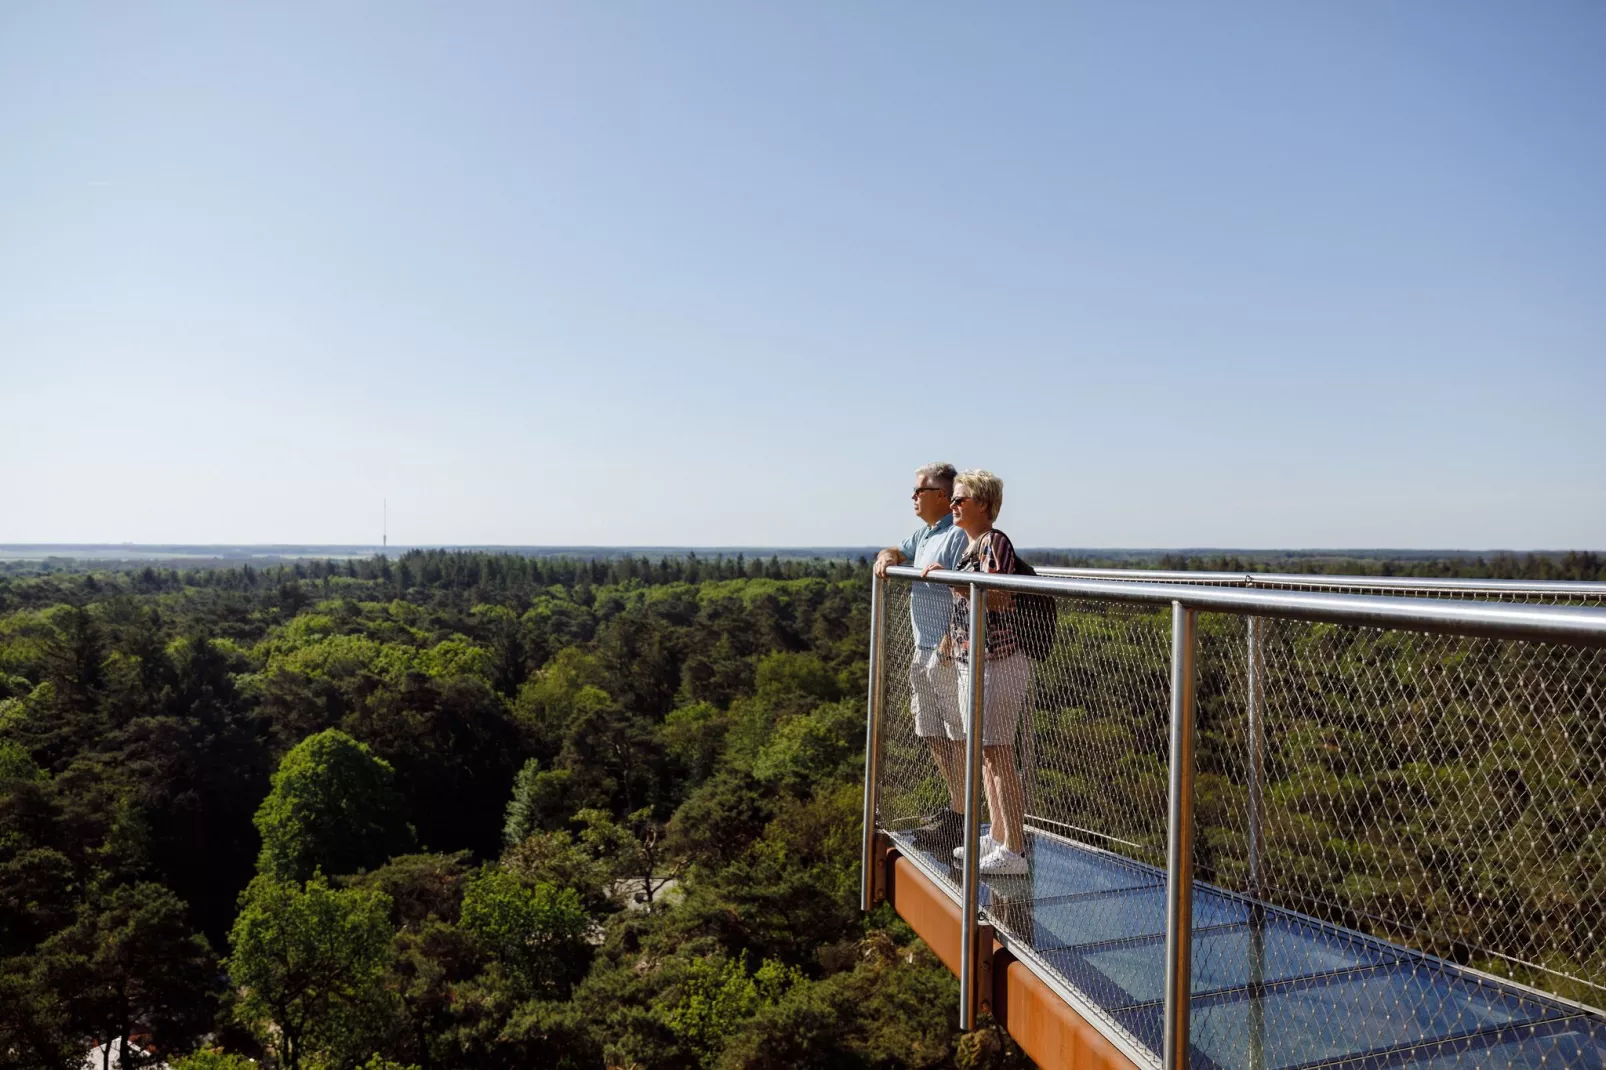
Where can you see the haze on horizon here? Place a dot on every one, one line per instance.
(1256, 276)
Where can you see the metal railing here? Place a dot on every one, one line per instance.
(1536, 592)
(1370, 790)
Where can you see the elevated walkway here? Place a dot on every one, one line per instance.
(1082, 959)
(1271, 988)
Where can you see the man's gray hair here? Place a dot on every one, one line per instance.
(939, 474)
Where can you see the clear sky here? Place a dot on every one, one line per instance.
(1235, 274)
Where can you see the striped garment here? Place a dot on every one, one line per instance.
(993, 552)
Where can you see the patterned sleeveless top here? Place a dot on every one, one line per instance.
(993, 553)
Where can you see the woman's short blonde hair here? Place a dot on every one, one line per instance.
(985, 487)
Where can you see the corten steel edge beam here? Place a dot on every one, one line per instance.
(1047, 1028)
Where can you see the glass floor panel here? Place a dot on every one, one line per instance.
(1576, 1043)
(1129, 972)
(1323, 1019)
(1303, 995)
(1090, 919)
(1055, 871)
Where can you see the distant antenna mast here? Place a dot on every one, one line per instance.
(384, 537)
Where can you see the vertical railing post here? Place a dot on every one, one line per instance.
(1179, 853)
(970, 871)
(1257, 987)
(1255, 694)
(872, 739)
(1256, 772)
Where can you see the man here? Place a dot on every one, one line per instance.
(933, 682)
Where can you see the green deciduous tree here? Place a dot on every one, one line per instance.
(824, 744)
(714, 997)
(310, 963)
(17, 764)
(694, 735)
(536, 931)
(333, 806)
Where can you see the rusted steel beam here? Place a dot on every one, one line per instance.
(926, 908)
(1045, 1027)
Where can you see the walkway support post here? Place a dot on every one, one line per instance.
(1255, 774)
(868, 883)
(1179, 853)
(970, 875)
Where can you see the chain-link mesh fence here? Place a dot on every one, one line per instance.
(1420, 876)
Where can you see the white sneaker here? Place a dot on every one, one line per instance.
(1004, 863)
(984, 847)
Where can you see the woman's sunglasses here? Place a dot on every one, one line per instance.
(960, 500)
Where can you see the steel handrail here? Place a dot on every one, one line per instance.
(1574, 625)
(1554, 588)
(1503, 620)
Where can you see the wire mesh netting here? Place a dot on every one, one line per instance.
(1420, 877)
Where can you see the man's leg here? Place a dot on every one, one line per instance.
(946, 828)
(946, 685)
(950, 758)
(932, 704)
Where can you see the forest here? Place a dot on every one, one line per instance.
(462, 809)
(453, 809)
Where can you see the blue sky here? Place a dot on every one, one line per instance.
(1244, 275)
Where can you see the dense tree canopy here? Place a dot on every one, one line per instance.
(404, 804)
(333, 807)
(310, 962)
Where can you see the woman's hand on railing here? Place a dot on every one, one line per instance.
(929, 569)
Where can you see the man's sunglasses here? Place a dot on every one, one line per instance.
(918, 491)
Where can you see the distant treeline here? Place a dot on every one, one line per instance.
(515, 570)
(486, 575)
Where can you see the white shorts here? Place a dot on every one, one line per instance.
(1007, 682)
(934, 697)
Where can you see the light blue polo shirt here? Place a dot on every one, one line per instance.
(930, 604)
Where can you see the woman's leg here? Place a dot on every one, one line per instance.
(995, 808)
(1005, 797)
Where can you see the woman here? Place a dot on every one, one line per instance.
(1006, 675)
